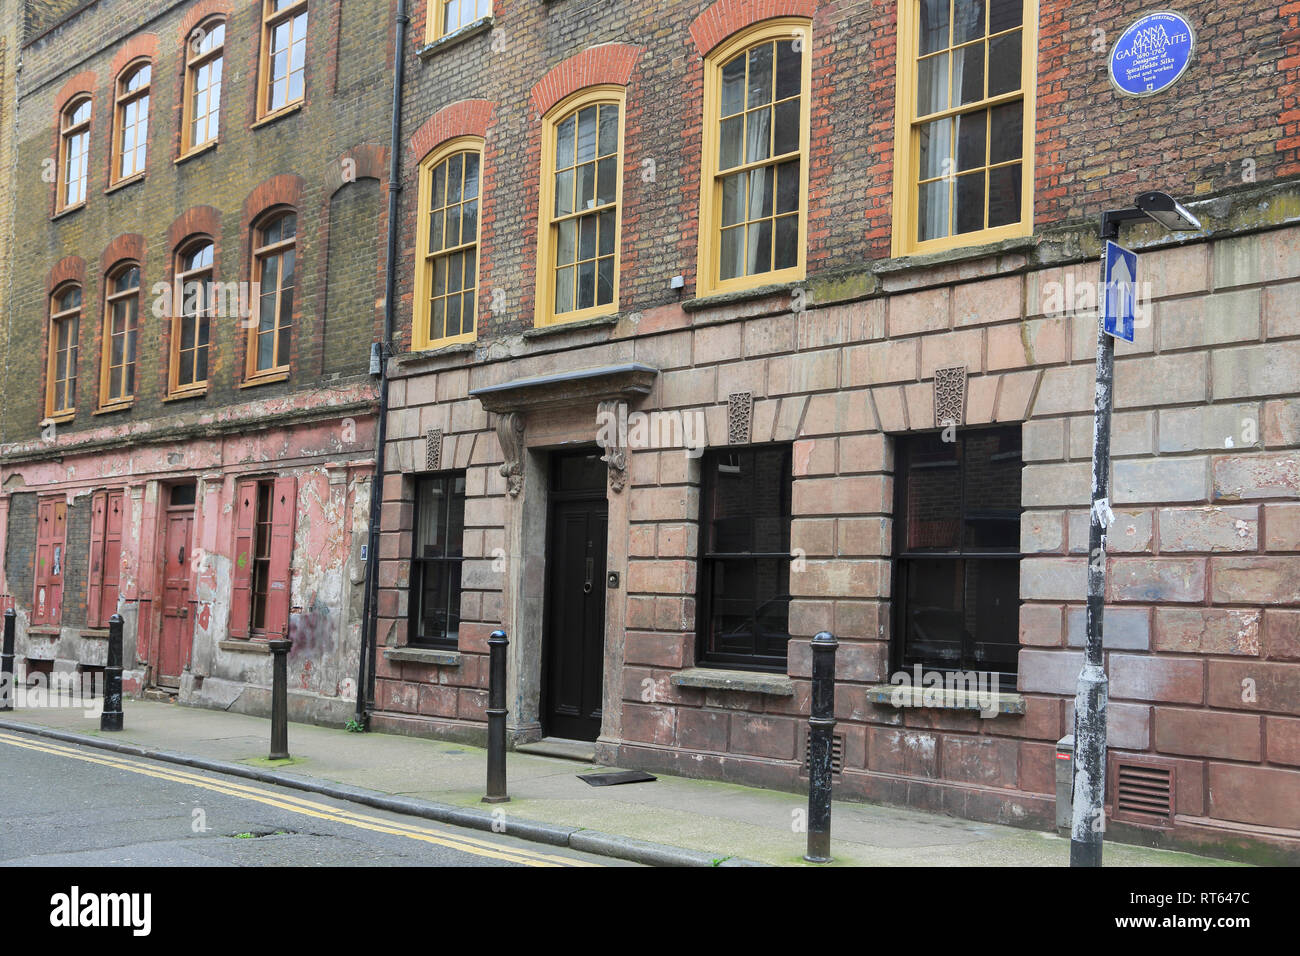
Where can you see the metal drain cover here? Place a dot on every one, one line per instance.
(614, 779)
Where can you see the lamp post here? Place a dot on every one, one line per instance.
(1088, 822)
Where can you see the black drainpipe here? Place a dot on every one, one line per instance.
(366, 658)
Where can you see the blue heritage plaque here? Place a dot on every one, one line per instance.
(1152, 53)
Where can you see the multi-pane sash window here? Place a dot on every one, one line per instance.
(75, 152)
(192, 324)
(284, 53)
(65, 326)
(121, 315)
(745, 557)
(450, 15)
(131, 132)
(447, 276)
(203, 65)
(957, 551)
(965, 71)
(754, 207)
(268, 345)
(436, 560)
(584, 180)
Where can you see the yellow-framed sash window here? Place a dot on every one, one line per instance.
(754, 184)
(965, 108)
(191, 319)
(121, 319)
(131, 121)
(448, 16)
(61, 372)
(74, 152)
(282, 70)
(446, 268)
(204, 61)
(580, 208)
(274, 268)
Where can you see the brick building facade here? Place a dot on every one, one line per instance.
(720, 224)
(188, 423)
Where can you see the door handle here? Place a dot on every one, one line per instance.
(591, 566)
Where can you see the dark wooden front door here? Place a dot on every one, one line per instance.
(575, 597)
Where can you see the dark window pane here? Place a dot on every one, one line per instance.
(787, 187)
(1004, 64)
(1006, 135)
(968, 74)
(789, 69)
(733, 86)
(1005, 14)
(1004, 195)
(971, 130)
(786, 253)
(970, 202)
(760, 76)
(967, 20)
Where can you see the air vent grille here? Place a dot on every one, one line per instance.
(837, 752)
(1144, 793)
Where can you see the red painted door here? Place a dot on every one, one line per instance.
(177, 628)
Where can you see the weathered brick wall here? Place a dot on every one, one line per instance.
(20, 547)
(344, 117)
(1224, 125)
(355, 214)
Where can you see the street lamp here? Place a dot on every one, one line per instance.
(1088, 821)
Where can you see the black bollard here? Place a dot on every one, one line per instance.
(496, 715)
(111, 716)
(820, 723)
(7, 662)
(279, 699)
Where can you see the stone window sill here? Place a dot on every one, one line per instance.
(751, 682)
(912, 696)
(715, 299)
(44, 631)
(245, 647)
(552, 328)
(456, 37)
(123, 183)
(196, 151)
(423, 655)
(282, 112)
(115, 407)
(95, 634)
(267, 378)
(188, 393)
(68, 210)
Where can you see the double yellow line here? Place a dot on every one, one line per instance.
(310, 808)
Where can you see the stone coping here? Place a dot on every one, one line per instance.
(245, 647)
(913, 696)
(753, 682)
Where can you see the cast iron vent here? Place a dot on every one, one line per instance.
(837, 752)
(1144, 792)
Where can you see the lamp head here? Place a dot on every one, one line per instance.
(1165, 210)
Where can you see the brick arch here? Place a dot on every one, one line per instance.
(285, 189)
(129, 245)
(369, 161)
(83, 82)
(726, 17)
(193, 221)
(607, 63)
(197, 14)
(67, 269)
(464, 118)
(144, 45)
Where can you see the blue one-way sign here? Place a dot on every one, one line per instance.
(1119, 291)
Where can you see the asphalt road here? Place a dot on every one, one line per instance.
(64, 805)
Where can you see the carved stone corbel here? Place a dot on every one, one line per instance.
(615, 456)
(510, 432)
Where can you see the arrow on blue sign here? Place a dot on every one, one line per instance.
(1119, 291)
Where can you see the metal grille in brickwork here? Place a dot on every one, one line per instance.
(433, 449)
(950, 396)
(837, 752)
(740, 417)
(1144, 792)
